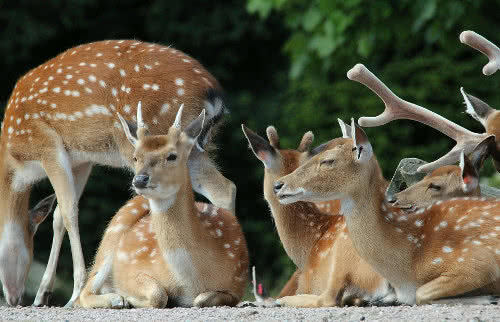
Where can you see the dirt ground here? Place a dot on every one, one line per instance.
(250, 313)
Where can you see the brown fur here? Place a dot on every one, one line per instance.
(421, 194)
(445, 250)
(66, 109)
(329, 271)
(201, 257)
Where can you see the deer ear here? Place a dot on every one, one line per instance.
(346, 129)
(273, 137)
(42, 209)
(364, 151)
(193, 130)
(260, 147)
(306, 142)
(470, 178)
(129, 128)
(481, 152)
(476, 108)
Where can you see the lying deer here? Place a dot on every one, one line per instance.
(448, 249)
(161, 248)
(329, 271)
(65, 111)
(446, 182)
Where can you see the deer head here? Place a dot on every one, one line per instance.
(347, 162)
(161, 160)
(16, 253)
(447, 181)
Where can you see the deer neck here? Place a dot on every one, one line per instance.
(14, 218)
(174, 219)
(300, 225)
(377, 232)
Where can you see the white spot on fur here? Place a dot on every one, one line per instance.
(447, 249)
(437, 260)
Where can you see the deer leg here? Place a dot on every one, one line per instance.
(89, 300)
(445, 287)
(215, 298)
(153, 293)
(291, 286)
(57, 165)
(208, 181)
(81, 175)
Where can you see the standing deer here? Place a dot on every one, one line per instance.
(448, 249)
(161, 248)
(61, 119)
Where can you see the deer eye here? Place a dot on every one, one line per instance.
(172, 157)
(327, 162)
(434, 187)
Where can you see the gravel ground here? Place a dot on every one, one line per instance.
(399, 313)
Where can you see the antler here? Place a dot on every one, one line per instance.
(485, 46)
(397, 108)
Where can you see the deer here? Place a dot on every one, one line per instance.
(475, 107)
(447, 252)
(65, 111)
(162, 248)
(287, 222)
(445, 182)
(314, 236)
(12, 256)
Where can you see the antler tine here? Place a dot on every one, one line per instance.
(397, 108)
(485, 46)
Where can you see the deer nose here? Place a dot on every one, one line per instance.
(140, 181)
(391, 199)
(277, 186)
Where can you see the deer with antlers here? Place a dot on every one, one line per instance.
(161, 248)
(350, 281)
(448, 249)
(479, 110)
(66, 109)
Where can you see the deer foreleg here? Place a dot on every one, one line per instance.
(216, 298)
(57, 165)
(80, 174)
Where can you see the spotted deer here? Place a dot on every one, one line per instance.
(314, 236)
(65, 111)
(161, 248)
(450, 249)
(446, 182)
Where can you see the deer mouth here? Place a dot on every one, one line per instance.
(289, 197)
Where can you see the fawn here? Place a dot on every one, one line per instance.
(161, 249)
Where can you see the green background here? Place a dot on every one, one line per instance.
(281, 62)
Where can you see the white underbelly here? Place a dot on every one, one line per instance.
(32, 171)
